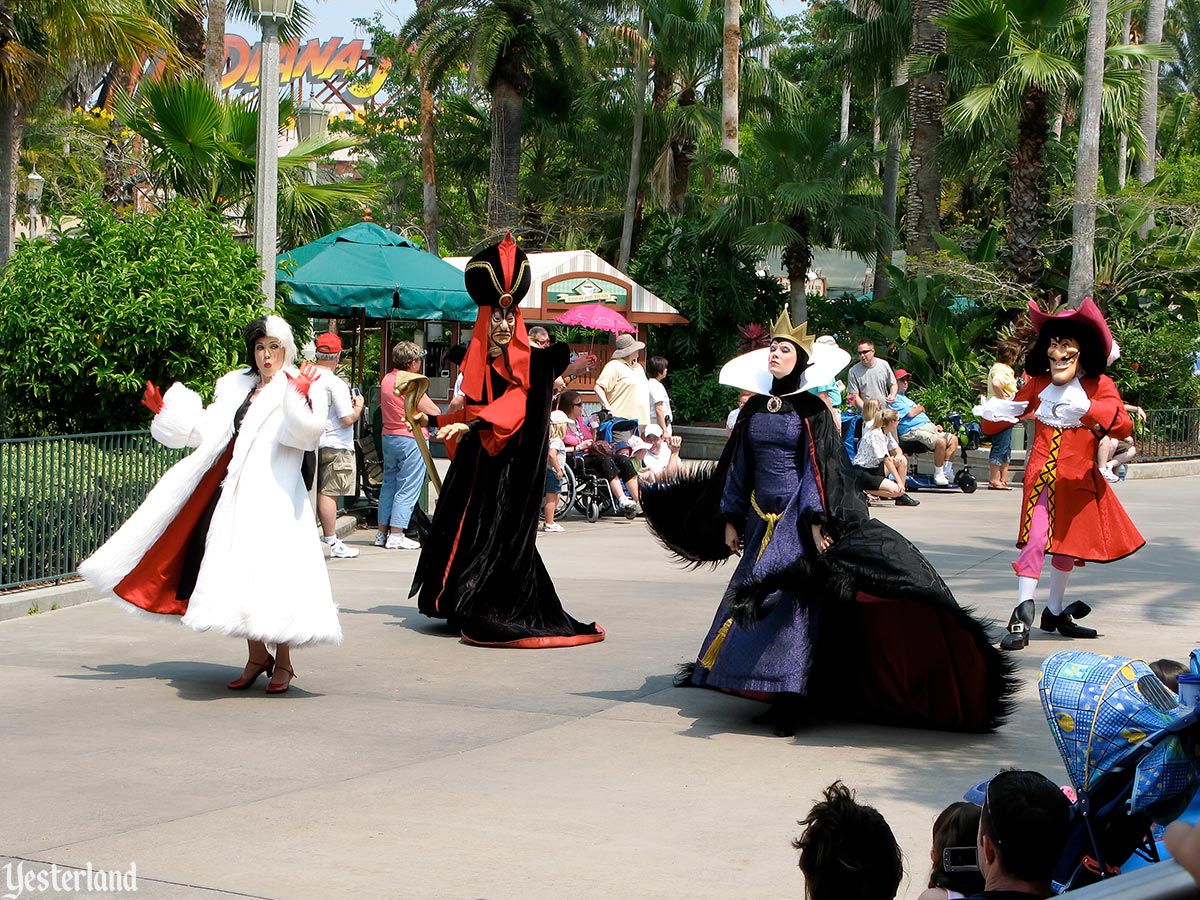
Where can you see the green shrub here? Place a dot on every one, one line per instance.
(89, 318)
(698, 398)
(1156, 363)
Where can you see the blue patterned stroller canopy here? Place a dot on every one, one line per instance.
(1110, 714)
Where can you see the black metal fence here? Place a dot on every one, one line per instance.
(61, 498)
(1168, 434)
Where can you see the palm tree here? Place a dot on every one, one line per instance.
(731, 48)
(1148, 120)
(926, 104)
(42, 36)
(1087, 165)
(203, 147)
(1016, 60)
(880, 31)
(799, 187)
(686, 51)
(505, 43)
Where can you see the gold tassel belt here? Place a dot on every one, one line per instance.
(772, 519)
(709, 659)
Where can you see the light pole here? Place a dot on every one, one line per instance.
(312, 121)
(266, 183)
(34, 186)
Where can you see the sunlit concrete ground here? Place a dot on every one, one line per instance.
(405, 764)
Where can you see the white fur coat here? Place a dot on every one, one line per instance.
(263, 575)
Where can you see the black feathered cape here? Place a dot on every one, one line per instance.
(894, 645)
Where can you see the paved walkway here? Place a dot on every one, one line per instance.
(407, 765)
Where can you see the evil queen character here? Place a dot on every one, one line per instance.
(1068, 510)
(479, 568)
(829, 614)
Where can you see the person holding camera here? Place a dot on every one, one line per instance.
(1023, 828)
(335, 456)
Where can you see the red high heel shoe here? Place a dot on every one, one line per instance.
(282, 687)
(240, 684)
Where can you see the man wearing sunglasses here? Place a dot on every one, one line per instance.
(871, 377)
(1022, 833)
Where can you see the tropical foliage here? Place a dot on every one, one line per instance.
(93, 314)
(950, 127)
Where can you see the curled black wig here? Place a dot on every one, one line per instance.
(1093, 358)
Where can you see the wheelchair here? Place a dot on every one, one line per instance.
(588, 493)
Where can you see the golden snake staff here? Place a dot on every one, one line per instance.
(412, 387)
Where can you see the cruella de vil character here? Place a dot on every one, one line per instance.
(828, 613)
(226, 540)
(479, 568)
(1068, 510)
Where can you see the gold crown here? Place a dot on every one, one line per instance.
(799, 336)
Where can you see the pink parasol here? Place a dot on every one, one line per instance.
(597, 316)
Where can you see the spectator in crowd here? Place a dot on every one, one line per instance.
(916, 426)
(456, 355)
(661, 460)
(1023, 829)
(660, 403)
(731, 419)
(1002, 384)
(876, 458)
(335, 456)
(847, 850)
(540, 337)
(403, 466)
(621, 388)
(616, 469)
(557, 453)
(1114, 453)
(830, 392)
(871, 378)
(1168, 672)
(956, 827)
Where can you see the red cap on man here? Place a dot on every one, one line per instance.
(329, 343)
(900, 373)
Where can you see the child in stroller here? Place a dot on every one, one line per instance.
(1130, 751)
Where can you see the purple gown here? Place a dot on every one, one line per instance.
(769, 471)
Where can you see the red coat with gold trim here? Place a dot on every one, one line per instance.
(1087, 520)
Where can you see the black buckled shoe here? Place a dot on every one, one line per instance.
(1064, 625)
(1019, 624)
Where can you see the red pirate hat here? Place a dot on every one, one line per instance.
(1088, 315)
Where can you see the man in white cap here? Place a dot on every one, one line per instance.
(335, 457)
(622, 387)
(661, 458)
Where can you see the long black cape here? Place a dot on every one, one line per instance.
(894, 647)
(479, 567)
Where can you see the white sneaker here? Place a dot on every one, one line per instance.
(626, 503)
(939, 478)
(398, 541)
(1109, 475)
(554, 527)
(380, 539)
(338, 550)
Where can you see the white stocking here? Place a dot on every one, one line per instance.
(1025, 588)
(1058, 589)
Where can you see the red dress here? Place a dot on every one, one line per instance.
(1086, 519)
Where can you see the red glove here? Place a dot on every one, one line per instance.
(308, 374)
(152, 398)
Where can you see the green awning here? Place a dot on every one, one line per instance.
(368, 268)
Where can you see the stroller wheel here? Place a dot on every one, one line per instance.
(593, 511)
(967, 482)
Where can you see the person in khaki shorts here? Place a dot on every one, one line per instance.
(335, 457)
